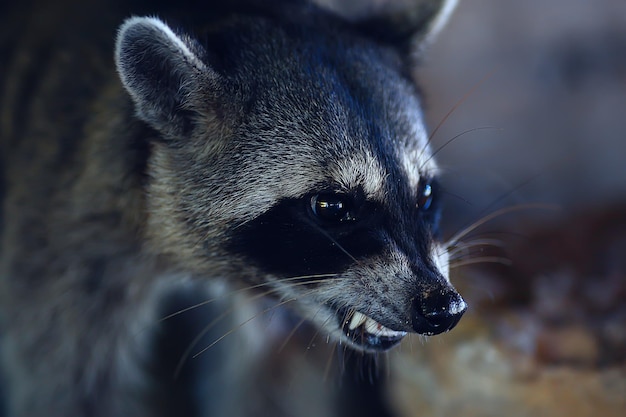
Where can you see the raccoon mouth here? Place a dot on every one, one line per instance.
(367, 333)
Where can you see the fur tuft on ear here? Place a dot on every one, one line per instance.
(411, 24)
(164, 73)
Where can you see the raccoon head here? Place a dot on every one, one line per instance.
(291, 154)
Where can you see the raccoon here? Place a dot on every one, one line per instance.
(232, 155)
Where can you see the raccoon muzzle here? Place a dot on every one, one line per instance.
(432, 313)
(367, 333)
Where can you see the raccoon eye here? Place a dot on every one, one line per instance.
(332, 207)
(425, 197)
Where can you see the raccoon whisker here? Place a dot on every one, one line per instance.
(329, 362)
(223, 315)
(283, 301)
(458, 197)
(480, 260)
(374, 367)
(322, 231)
(216, 320)
(462, 249)
(455, 107)
(478, 242)
(341, 248)
(195, 341)
(302, 321)
(322, 278)
(411, 337)
(525, 182)
(486, 241)
(340, 352)
(464, 255)
(387, 359)
(291, 335)
(234, 329)
(312, 340)
(317, 331)
(208, 328)
(253, 287)
(466, 230)
(423, 339)
(410, 343)
(454, 138)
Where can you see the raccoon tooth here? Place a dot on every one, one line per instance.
(357, 320)
(372, 326)
(375, 328)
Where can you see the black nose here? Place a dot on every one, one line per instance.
(437, 312)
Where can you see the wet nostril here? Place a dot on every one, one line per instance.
(444, 319)
(437, 314)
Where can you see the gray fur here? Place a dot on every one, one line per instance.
(119, 196)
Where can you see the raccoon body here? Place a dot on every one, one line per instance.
(275, 148)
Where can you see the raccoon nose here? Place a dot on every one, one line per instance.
(438, 312)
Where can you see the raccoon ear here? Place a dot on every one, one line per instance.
(164, 73)
(410, 24)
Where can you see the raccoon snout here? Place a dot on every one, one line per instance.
(437, 312)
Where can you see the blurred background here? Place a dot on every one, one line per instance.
(543, 90)
(551, 76)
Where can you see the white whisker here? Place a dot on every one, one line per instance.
(481, 260)
(254, 287)
(465, 231)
